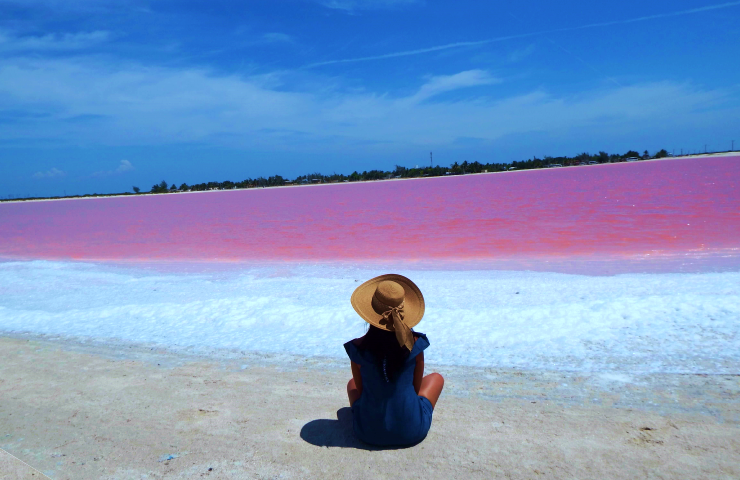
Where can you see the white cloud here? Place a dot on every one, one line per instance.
(66, 41)
(54, 172)
(123, 167)
(112, 104)
(277, 37)
(446, 83)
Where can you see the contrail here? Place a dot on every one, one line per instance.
(660, 15)
(415, 52)
(448, 46)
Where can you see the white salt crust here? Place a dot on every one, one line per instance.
(631, 323)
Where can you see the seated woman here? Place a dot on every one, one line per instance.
(391, 399)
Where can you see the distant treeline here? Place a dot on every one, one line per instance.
(399, 172)
(404, 172)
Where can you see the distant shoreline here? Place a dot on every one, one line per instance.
(132, 195)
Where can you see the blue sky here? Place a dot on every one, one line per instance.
(97, 96)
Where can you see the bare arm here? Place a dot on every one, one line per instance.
(357, 377)
(418, 372)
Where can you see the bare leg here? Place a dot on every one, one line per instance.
(431, 387)
(352, 392)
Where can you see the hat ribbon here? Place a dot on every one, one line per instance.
(393, 317)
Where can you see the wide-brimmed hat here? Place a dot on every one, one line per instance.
(390, 302)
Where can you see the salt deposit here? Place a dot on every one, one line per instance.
(627, 324)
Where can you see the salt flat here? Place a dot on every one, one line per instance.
(630, 323)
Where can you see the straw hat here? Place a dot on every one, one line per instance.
(392, 303)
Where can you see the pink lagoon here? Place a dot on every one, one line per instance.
(671, 208)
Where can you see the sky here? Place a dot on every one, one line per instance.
(100, 96)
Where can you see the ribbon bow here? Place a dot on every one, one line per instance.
(393, 319)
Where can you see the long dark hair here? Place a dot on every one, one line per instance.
(389, 356)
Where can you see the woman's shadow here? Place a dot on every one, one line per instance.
(336, 433)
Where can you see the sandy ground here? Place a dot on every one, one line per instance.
(13, 467)
(128, 412)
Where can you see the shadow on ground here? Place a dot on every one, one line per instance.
(336, 433)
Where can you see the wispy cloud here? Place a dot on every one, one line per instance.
(406, 53)
(446, 83)
(77, 5)
(136, 105)
(645, 18)
(522, 53)
(354, 5)
(54, 172)
(123, 167)
(277, 37)
(448, 46)
(65, 41)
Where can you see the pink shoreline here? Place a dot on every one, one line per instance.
(718, 262)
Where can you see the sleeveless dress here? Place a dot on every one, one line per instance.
(390, 413)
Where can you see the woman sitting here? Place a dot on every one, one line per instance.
(391, 399)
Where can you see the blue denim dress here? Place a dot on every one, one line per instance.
(390, 413)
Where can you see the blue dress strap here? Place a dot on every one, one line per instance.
(422, 342)
(353, 353)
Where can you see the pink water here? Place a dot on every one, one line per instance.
(671, 207)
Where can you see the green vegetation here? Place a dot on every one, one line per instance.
(661, 154)
(399, 172)
(160, 187)
(404, 172)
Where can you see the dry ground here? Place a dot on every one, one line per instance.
(126, 412)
